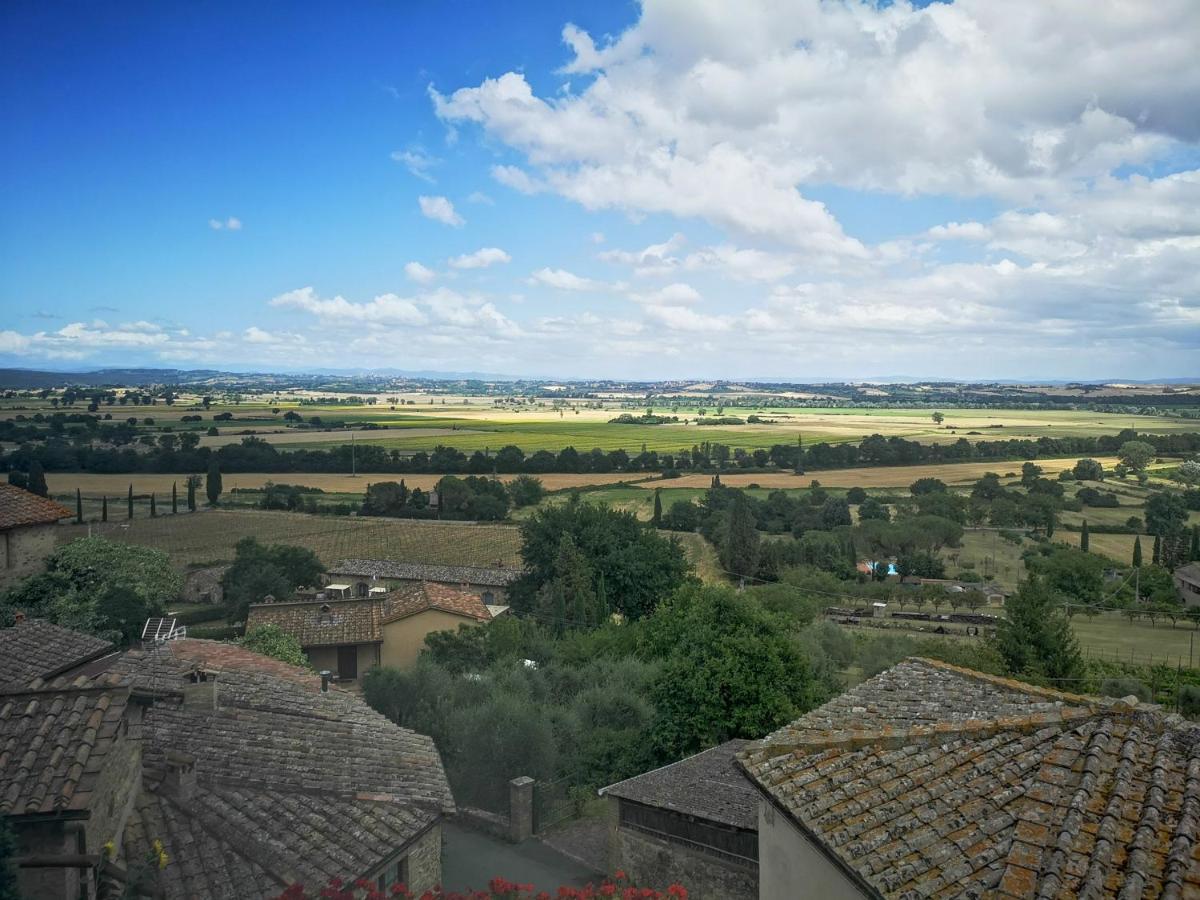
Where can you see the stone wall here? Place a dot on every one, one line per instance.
(116, 789)
(657, 862)
(24, 551)
(425, 861)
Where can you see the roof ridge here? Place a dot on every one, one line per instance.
(1011, 684)
(849, 739)
(688, 758)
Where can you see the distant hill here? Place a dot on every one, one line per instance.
(31, 379)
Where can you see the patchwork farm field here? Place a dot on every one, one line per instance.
(875, 476)
(95, 485)
(477, 427)
(416, 421)
(209, 535)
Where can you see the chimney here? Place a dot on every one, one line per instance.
(179, 781)
(326, 677)
(200, 690)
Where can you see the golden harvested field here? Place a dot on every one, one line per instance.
(211, 535)
(283, 437)
(94, 484)
(873, 477)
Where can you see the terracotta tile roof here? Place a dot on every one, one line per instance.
(319, 623)
(292, 784)
(416, 598)
(1064, 796)
(401, 571)
(39, 649)
(709, 785)
(53, 739)
(18, 507)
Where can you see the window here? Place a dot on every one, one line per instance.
(489, 598)
(397, 874)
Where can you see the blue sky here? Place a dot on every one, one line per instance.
(672, 189)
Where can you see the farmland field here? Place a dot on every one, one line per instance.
(417, 421)
(92, 484)
(875, 476)
(211, 534)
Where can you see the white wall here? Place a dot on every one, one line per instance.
(791, 866)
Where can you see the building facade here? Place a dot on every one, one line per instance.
(490, 584)
(934, 781)
(694, 822)
(388, 628)
(175, 773)
(28, 532)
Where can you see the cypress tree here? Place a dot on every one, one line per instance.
(153, 508)
(212, 485)
(657, 519)
(560, 610)
(1137, 552)
(1083, 537)
(1194, 552)
(174, 499)
(191, 495)
(129, 514)
(739, 546)
(103, 509)
(602, 611)
(799, 454)
(1156, 556)
(37, 480)
(78, 507)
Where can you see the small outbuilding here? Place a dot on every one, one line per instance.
(27, 532)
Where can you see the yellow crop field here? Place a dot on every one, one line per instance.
(871, 477)
(93, 485)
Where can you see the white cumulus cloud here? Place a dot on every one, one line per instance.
(440, 210)
(480, 259)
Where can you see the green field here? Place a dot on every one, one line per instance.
(208, 535)
(476, 423)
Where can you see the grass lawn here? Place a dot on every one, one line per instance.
(1113, 636)
(983, 551)
(1108, 636)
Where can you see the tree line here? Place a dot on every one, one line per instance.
(254, 454)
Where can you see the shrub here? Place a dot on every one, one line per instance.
(1189, 700)
(1124, 687)
(270, 640)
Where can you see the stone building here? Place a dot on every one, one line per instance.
(934, 781)
(27, 532)
(694, 822)
(348, 637)
(1187, 583)
(70, 754)
(248, 773)
(490, 584)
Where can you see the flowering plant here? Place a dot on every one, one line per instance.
(499, 888)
